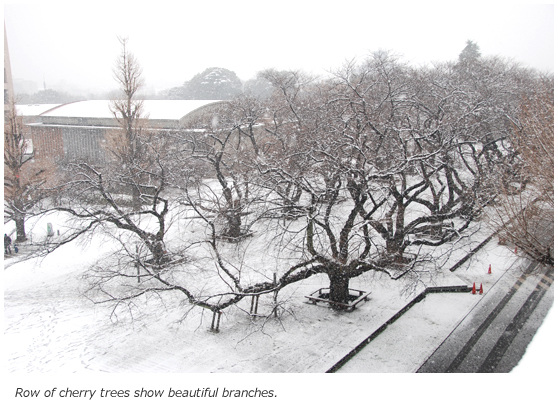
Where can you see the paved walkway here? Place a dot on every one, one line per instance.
(464, 333)
(495, 335)
(405, 344)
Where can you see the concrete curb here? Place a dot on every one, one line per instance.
(471, 253)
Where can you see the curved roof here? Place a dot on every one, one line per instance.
(34, 109)
(153, 109)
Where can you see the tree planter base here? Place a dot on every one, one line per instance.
(322, 296)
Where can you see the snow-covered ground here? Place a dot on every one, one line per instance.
(49, 327)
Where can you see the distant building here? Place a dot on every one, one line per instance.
(77, 131)
(22, 86)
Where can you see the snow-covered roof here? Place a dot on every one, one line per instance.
(153, 109)
(34, 109)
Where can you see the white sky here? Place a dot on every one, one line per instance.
(76, 43)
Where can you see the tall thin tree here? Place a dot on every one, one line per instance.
(127, 109)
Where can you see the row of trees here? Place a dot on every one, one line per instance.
(375, 168)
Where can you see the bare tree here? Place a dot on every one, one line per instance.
(125, 145)
(382, 163)
(285, 147)
(226, 149)
(524, 213)
(127, 191)
(23, 177)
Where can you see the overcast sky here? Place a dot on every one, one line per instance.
(77, 44)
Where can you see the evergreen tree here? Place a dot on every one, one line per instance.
(470, 53)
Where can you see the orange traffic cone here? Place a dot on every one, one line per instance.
(480, 290)
(489, 269)
(474, 289)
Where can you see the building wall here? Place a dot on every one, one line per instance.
(104, 122)
(57, 143)
(8, 83)
(78, 121)
(83, 143)
(48, 143)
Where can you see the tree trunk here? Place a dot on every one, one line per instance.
(291, 198)
(20, 228)
(158, 253)
(394, 249)
(339, 289)
(234, 225)
(136, 199)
